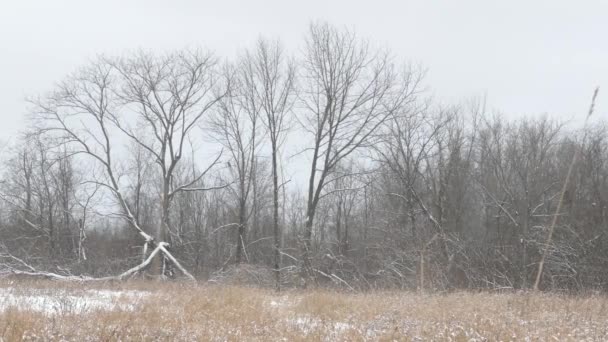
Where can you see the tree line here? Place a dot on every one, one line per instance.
(176, 163)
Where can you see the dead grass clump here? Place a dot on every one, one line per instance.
(17, 325)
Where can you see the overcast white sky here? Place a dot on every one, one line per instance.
(528, 57)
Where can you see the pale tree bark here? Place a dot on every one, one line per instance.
(85, 204)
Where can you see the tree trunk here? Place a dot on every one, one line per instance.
(275, 218)
(307, 244)
(156, 268)
(240, 239)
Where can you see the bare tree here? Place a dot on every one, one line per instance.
(399, 192)
(236, 128)
(171, 95)
(348, 92)
(83, 113)
(268, 80)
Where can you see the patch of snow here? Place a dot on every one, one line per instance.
(308, 324)
(280, 302)
(54, 302)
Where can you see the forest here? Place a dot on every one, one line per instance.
(327, 166)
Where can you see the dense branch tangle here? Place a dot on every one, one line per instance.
(348, 92)
(155, 101)
(396, 188)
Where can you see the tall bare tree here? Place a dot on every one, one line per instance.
(170, 94)
(237, 129)
(268, 78)
(348, 91)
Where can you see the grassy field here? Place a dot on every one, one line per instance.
(153, 311)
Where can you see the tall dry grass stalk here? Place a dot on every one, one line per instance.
(541, 264)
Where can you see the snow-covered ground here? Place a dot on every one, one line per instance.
(219, 313)
(59, 301)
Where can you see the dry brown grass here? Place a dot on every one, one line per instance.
(186, 312)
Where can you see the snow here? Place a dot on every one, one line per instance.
(60, 302)
(306, 325)
(291, 314)
(281, 302)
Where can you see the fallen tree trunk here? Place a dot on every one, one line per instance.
(32, 272)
